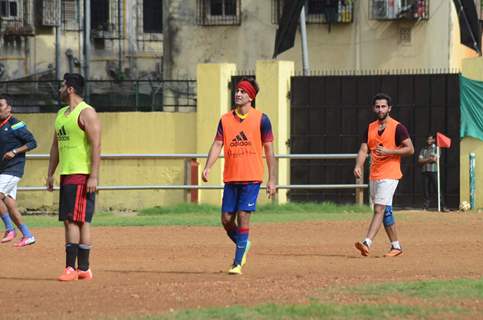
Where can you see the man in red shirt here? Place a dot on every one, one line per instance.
(243, 133)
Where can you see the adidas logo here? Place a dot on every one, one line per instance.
(62, 134)
(240, 140)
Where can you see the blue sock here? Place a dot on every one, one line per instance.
(241, 245)
(25, 231)
(7, 221)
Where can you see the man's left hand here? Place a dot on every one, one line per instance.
(381, 151)
(92, 184)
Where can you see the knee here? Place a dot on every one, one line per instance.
(226, 220)
(388, 217)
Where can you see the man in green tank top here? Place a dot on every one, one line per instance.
(76, 149)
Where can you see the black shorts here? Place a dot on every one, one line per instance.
(76, 205)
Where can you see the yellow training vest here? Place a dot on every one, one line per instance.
(74, 148)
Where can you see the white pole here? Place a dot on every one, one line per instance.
(303, 37)
(439, 181)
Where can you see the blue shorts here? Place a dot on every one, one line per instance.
(240, 197)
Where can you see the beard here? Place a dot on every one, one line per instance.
(382, 117)
(64, 96)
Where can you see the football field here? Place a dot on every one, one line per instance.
(304, 269)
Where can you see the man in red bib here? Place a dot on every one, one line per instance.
(243, 133)
(387, 140)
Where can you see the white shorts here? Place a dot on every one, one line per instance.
(8, 185)
(382, 191)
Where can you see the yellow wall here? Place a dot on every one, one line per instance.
(273, 78)
(472, 69)
(458, 51)
(154, 132)
(213, 101)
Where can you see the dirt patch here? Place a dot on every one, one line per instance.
(151, 270)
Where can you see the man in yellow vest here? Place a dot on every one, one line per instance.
(245, 134)
(387, 140)
(76, 148)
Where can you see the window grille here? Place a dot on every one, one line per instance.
(219, 12)
(320, 11)
(398, 9)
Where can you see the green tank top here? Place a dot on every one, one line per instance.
(74, 148)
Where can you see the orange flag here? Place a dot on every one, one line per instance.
(443, 141)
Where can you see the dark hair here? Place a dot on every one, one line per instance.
(381, 96)
(252, 81)
(7, 98)
(430, 134)
(75, 81)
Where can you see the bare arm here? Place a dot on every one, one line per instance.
(213, 155)
(272, 169)
(53, 162)
(92, 126)
(361, 158)
(406, 149)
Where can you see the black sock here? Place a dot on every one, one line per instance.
(71, 254)
(83, 257)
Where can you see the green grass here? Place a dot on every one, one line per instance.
(458, 289)
(438, 291)
(311, 311)
(208, 215)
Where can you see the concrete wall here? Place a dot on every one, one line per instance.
(155, 132)
(472, 69)
(361, 45)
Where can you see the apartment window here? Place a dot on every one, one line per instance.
(70, 15)
(9, 8)
(152, 16)
(104, 19)
(398, 9)
(320, 11)
(219, 12)
(100, 15)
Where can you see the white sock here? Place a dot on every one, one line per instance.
(396, 245)
(368, 241)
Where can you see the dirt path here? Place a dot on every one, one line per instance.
(150, 270)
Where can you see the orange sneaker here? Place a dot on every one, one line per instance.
(363, 248)
(69, 274)
(84, 275)
(393, 252)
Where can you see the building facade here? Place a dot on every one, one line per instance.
(126, 38)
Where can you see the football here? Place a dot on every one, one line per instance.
(465, 206)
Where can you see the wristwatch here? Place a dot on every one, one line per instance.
(14, 151)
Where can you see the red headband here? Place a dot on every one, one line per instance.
(248, 88)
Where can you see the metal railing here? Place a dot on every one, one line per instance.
(191, 176)
(41, 96)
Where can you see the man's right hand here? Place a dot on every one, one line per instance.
(357, 172)
(204, 175)
(50, 183)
